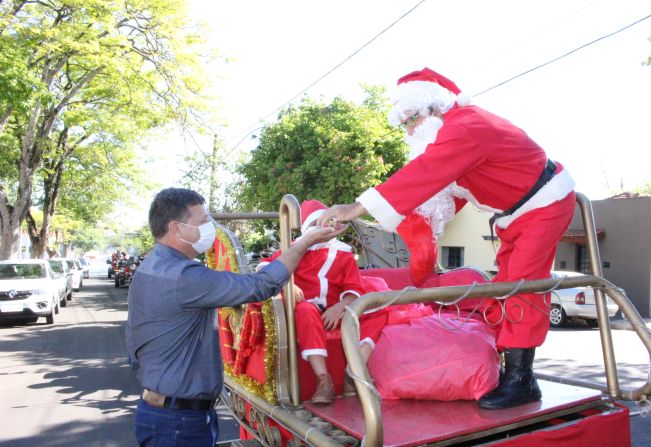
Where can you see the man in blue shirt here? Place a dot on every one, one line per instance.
(172, 338)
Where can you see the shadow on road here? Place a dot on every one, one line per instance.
(106, 433)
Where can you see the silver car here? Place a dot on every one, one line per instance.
(28, 290)
(576, 303)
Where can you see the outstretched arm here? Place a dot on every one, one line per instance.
(293, 255)
(342, 213)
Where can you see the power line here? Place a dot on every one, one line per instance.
(562, 56)
(335, 67)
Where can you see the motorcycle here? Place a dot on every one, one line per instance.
(124, 272)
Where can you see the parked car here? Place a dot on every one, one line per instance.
(85, 266)
(60, 266)
(77, 274)
(576, 303)
(28, 290)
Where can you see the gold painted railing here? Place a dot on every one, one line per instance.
(371, 405)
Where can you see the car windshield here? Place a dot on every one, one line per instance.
(21, 271)
(83, 262)
(56, 266)
(71, 263)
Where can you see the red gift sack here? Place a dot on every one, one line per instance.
(433, 358)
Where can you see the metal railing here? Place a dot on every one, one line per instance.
(371, 405)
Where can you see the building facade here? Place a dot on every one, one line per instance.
(624, 231)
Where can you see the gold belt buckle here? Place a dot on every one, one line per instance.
(153, 398)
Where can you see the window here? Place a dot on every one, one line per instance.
(452, 257)
(582, 259)
(22, 271)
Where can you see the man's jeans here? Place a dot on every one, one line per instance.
(160, 427)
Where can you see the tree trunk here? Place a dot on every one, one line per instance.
(9, 241)
(36, 238)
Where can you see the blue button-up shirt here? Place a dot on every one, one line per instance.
(172, 334)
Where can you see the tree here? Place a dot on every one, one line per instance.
(85, 73)
(141, 241)
(87, 238)
(331, 152)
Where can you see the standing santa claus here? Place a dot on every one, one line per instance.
(462, 153)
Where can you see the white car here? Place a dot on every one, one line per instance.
(576, 303)
(28, 290)
(64, 276)
(77, 273)
(85, 267)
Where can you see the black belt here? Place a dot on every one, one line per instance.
(175, 403)
(545, 176)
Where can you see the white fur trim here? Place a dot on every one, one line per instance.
(368, 340)
(380, 209)
(556, 189)
(417, 97)
(308, 352)
(463, 193)
(463, 99)
(348, 292)
(261, 265)
(311, 218)
(325, 268)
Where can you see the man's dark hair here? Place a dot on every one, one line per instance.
(171, 204)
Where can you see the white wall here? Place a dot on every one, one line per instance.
(467, 230)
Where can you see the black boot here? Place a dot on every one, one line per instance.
(517, 385)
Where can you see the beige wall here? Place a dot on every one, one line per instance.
(467, 230)
(626, 247)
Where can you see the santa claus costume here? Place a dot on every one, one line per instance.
(462, 153)
(326, 274)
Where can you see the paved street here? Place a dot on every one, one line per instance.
(69, 384)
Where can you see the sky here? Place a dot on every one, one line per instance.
(589, 110)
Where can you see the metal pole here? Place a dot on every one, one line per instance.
(243, 216)
(607, 346)
(290, 219)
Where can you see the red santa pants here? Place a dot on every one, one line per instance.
(311, 334)
(527, 250)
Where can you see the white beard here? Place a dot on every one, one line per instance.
(424, 135)
(439, 209)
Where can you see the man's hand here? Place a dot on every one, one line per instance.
(316, 235)
(341, 213)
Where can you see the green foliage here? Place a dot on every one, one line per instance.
(141, 241)
(644, 189)
(331, 152)
(81, 82)
(87, 238)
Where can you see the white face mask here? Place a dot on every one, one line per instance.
(207, 233)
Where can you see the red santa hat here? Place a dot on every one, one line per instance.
(420, 90)
(311, 210)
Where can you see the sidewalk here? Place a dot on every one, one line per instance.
(623, 324)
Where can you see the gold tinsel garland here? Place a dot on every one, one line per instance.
(267, 390)
(211, 262)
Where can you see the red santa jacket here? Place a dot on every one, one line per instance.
(327, 274)
(490, 162)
